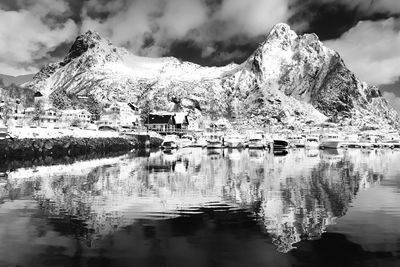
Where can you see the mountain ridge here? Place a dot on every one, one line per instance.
(288, 79)
(17, 80)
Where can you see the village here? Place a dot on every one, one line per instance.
(173, 129)
(43, 120)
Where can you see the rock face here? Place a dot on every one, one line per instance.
(289, 79)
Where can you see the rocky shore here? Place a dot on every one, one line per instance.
(27, 148)
(59, 147)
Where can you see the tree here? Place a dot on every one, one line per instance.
(60, 100)
(38, 111)
(146, 106)
(75, 122)
(6, 110)
(94, 107)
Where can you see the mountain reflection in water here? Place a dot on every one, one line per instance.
(284, 198)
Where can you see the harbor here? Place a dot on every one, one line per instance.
(324, 136)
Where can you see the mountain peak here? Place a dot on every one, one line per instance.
(83, 43)
(281, 31)
(91, 33)
(281, 27)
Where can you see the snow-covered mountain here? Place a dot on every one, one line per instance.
(289, 79)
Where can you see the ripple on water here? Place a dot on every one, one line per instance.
(284, 200)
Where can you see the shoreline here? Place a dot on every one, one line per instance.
(31, 148)
(57, 147)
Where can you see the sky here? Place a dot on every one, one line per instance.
(209, 32)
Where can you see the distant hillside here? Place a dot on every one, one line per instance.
(17, 80)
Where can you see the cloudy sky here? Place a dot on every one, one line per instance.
(209, 32)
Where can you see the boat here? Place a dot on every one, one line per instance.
(330, 140)
(200, 142)
(186, 141)
(257, 141)
(297, 140)
(170, 142)
(311, 142)
(351, 141)
(370, 140)
(391, 140)
(234, 141)
(215, 140)
(391, 137)
(3, 130)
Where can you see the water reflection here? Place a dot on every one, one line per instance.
(289, 196)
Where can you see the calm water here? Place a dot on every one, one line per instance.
(205, 208)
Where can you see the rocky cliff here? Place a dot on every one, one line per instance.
(290, 79)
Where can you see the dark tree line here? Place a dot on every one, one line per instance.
(14, 92)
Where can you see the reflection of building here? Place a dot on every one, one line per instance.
(167, 123)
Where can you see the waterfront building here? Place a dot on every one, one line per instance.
(50, 116)
(167, 123)
(119, 115)
(76, 117)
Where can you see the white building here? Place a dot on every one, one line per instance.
(80, 116)
(120, 114)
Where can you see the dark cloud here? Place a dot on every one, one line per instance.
(327, 21)
(207, 32)
(186, 50)
(330, 19)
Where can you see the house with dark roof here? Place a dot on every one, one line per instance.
(167, 123)
(161, 123)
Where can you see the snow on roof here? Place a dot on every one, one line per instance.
(74, 111)
(162, 113)
(180, 118)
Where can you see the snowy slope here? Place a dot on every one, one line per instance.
(288, 80)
